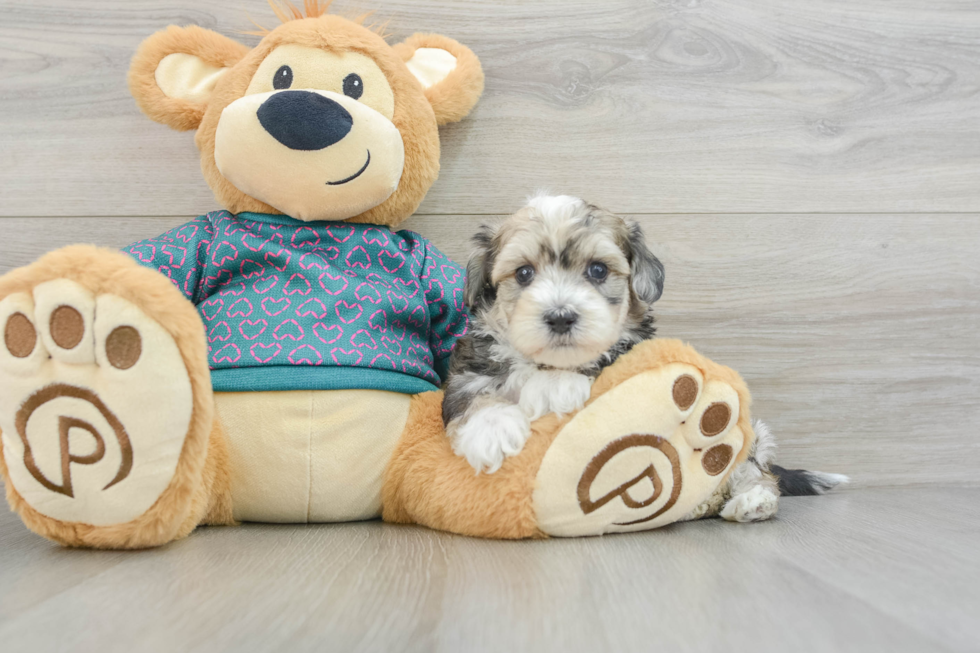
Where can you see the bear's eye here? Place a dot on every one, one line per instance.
(353, 86)
(283, 78)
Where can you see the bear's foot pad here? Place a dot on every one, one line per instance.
(642, 455)
(95, 404)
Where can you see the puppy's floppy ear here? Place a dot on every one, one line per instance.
(646, 270)
(479, 290)
(175, 71)
(449, 72)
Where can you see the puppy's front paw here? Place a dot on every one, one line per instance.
(490, 435)
(758, 504)
(570, 393)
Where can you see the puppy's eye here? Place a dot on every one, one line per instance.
(597, 271)
(353, 86)
(524, 274)
(283, 78)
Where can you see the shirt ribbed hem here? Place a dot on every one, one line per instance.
(293, 377)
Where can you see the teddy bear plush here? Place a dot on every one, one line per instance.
(279, 360)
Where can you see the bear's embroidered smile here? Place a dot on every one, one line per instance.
(355, 175)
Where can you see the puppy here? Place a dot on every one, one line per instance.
(556, 292)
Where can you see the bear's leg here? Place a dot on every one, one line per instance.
(662, 430)
(106, 411)
(428, 484)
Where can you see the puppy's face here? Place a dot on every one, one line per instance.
(561, 280)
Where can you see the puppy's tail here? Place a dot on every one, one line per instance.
(792, 482)
(804, 483)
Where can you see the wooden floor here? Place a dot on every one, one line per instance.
(808, 171)
(867, 570)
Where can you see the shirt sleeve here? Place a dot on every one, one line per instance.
(181, 255)
(442, 281)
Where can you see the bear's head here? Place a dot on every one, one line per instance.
(323, 120)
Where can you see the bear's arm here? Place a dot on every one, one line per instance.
(181, 254)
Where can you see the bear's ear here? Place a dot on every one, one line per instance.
(449, 72)
(175, 71)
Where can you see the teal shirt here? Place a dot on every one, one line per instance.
(292, 305)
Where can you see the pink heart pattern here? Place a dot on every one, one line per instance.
(252, 329)
(305, 355)
(274, 307)
(297, 285)
(328, 333)
(277, 291)
(313, 307)
(220, 332)
(265, 353)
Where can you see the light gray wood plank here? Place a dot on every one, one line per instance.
(857, 334)
(23, 240)
(865, 545)
(857, 571)
(668, 106)
(32, 571)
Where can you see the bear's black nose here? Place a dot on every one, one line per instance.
(302, 120)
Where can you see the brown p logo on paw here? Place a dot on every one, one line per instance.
(623, 491)
(65, 424)
(96, 403)
(643, 454)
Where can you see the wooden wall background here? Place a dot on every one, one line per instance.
(808, 170)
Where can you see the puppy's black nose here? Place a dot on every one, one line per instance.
(302, 120)
(561, 321)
